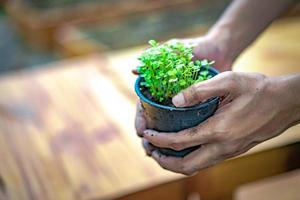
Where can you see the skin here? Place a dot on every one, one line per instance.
(263, 108)
(253, 109)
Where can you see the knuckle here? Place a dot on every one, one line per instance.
(198, 94)
(163, 166)
(260, 80)
(231, 81)
(192, 91)
(160, 162)
(231, 149)
(228, 74)
(259, 76)
(221, 135)
(139, 134)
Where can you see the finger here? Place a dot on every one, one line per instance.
(140, 122)
(135, 72)
(212, 154)
(202, 158)
(167, 162)
(148, 147)
(201, 134)
(220, 85)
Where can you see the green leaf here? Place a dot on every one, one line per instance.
(169, 68)
(211, 62)
(204, 62)
(153, 43)
(197, 62)
(204, 73)
(172, 72)
(182, 82)
(173, 80)
(200, 78)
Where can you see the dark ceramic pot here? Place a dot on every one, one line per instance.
(171, 119)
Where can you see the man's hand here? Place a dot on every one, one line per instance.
(254, 108)
(211, 47)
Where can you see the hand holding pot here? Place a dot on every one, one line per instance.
(254, 108)
(211, 47)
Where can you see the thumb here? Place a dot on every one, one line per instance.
(219, 85)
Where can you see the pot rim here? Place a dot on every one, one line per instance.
(196, 107)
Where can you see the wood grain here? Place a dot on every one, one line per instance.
(284, 186)
(67, 133)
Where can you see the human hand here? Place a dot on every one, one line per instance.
(254, 108)
(211, 47)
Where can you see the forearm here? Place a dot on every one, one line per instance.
(244, 20)
(284, 93)
(291, 91)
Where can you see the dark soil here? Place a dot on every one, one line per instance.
(147, 94)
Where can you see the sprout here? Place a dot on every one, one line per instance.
(168, 68)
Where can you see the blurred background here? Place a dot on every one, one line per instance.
(67, 104)
(40, 31)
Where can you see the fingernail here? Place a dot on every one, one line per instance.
(149, 132)
(145, 132)
(179, 100)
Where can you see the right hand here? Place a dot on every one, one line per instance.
(205, 47)
(255, 108)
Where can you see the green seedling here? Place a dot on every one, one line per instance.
(169, 68)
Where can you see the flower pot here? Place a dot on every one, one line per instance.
(172, 119)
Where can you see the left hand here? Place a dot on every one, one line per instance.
(211, 47)
(254, 108)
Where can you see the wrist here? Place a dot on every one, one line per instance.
(292, 86)
(286, 91)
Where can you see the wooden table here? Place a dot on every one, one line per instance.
(284, 186)
(66, 132)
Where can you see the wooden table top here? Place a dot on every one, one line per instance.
(66, 132)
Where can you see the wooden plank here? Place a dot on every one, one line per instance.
(220, 182)
(175, 190)
(284, 186)
(66, 133)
